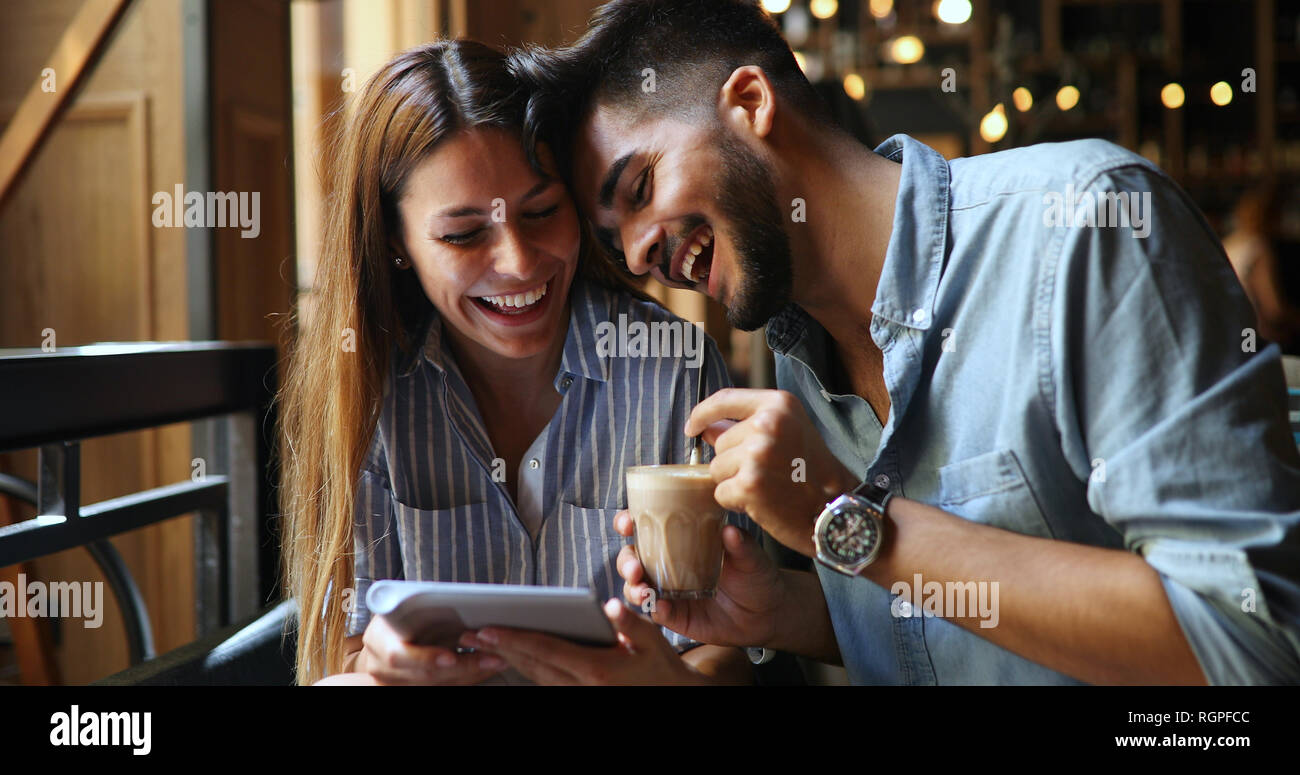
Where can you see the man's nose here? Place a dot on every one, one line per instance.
(646, 251)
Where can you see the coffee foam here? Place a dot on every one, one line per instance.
(669, 476)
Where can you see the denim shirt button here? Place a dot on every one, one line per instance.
(919, 316)
(882, 481)
(566, 382)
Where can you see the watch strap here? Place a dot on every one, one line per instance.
(877, 496)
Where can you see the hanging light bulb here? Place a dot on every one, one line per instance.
(854, 86)
(881, 8)
(823, 9)
(1172, 96)
(907, 49)
(993, 126)
(776, 6)
(1067, 97)
(952, 11)
(1023, 99)
(1221, 93)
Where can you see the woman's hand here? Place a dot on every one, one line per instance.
(387, 659)
(641, 656)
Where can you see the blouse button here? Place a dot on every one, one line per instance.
(534, 463)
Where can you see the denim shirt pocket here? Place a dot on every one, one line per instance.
(992, 489)
(437, 543)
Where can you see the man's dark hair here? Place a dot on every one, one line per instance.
(684, 49)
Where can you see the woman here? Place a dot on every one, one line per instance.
(454, 361)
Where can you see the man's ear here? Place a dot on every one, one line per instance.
(747, 101)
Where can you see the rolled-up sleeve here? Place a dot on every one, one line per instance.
(1161, 390)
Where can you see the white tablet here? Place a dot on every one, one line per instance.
(436, 613)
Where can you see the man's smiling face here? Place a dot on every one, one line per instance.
(690, 204)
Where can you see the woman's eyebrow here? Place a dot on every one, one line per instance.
(458, 212)
(539, 188)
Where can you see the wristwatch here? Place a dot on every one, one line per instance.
(850, 529)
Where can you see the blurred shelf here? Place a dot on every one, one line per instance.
(904, 77)
(1219, 179)
(1287, 54)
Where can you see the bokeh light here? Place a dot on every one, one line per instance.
(907, 49)
(993, 126)
(953, 11)
(1172, 96)
(854, 86)
(1067, 97)
(1221, 93)
(823, 9)
(1023, 99)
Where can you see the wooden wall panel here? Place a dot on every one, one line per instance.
(512, 22)
(253, 151)
(28, 35)
(79, 254)
(255, 278)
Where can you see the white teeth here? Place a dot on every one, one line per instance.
(693, 252)
(525, 299)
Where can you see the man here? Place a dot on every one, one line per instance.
(1050, 390)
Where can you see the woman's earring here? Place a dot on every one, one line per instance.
(401, 262)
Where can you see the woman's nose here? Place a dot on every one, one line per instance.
(514, 255)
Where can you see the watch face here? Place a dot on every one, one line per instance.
(850, 535)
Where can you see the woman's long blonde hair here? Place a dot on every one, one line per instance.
(329, 401)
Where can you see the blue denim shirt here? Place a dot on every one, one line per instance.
(1069, 380)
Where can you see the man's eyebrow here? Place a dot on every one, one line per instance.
(610, 182)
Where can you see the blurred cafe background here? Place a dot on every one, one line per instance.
(106, 103)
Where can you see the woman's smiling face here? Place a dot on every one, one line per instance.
(495, 245)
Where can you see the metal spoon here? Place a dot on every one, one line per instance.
(699, 396)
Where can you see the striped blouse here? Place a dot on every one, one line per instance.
(430, 503)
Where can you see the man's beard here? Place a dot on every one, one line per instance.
(747, 198)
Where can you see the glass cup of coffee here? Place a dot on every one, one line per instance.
(678, 528)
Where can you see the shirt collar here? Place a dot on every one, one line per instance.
(589, 304)
(909, 278)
